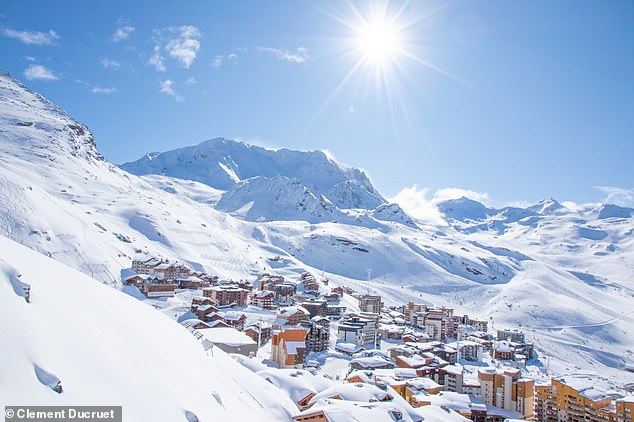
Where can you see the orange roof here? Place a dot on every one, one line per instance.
(293, 334)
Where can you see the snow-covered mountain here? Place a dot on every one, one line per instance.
(225, 164)
(564, 275)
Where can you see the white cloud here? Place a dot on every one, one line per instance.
(122, 32)
(217, 62)
(184, 45)
(299, 56)
(110, 64)
(168, 88)
(157, 60)
(220, 59)
(30, 59)
(178, 42)
(37, 71)
(414, 202)
(455, 193)
(617, 196)
(191, 81)
(32, 37)
(105, 91)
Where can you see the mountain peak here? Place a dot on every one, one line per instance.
(547, 206)
(223, 163)
(31, 123)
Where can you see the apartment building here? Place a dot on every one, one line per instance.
(370, 303)
(360, 329)
(504, 388)
(227, 295)
(572, 398)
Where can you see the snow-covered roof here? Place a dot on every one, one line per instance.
(371, 361)
(357, 391)
(232, 315)
(297, 383)
(226, 335)
(348, 347)
(293, 346)
(292, 310)
(452, 400)
(414, 361)
(397, 373)
(423, 383)
(507, 414)
(453, 369)
(344, 411)
(439, 414)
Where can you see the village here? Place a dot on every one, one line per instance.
(331, 347)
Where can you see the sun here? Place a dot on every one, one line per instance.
(378, 41)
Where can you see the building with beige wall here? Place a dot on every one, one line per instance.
(504, 388)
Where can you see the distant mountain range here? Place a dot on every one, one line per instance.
(226, 207)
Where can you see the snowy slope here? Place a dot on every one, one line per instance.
(107, 348)
(565, 274)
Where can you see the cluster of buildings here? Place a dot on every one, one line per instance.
(303, 314)
(157, 277)
(574, 398)
(422, 365)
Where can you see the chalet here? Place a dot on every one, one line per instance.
(414, 361)
(348, 348)
(161, 271)
(269, 280)
(288, 347)
(447, 353)
(316, 307)
(142, 264)
(190, 282)
(201, 300)
(136, 280)
(502, 350)
(157, 288)
(292, 315)
(264, 299)
(259, 332)
(218, 323)
(331, 297)
(207, 313)
(337, 290)
(371, 363)
(309, 282)
(415, 386)
(284, 293)
(234, 319)
(246, 285)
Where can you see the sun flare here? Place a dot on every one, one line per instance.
(378, 41)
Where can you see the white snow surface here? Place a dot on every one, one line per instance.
(564, 276)
(107, 348)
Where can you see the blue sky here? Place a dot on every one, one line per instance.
(512, 101)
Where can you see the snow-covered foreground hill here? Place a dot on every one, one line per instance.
(105, 348)
(564, 275)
